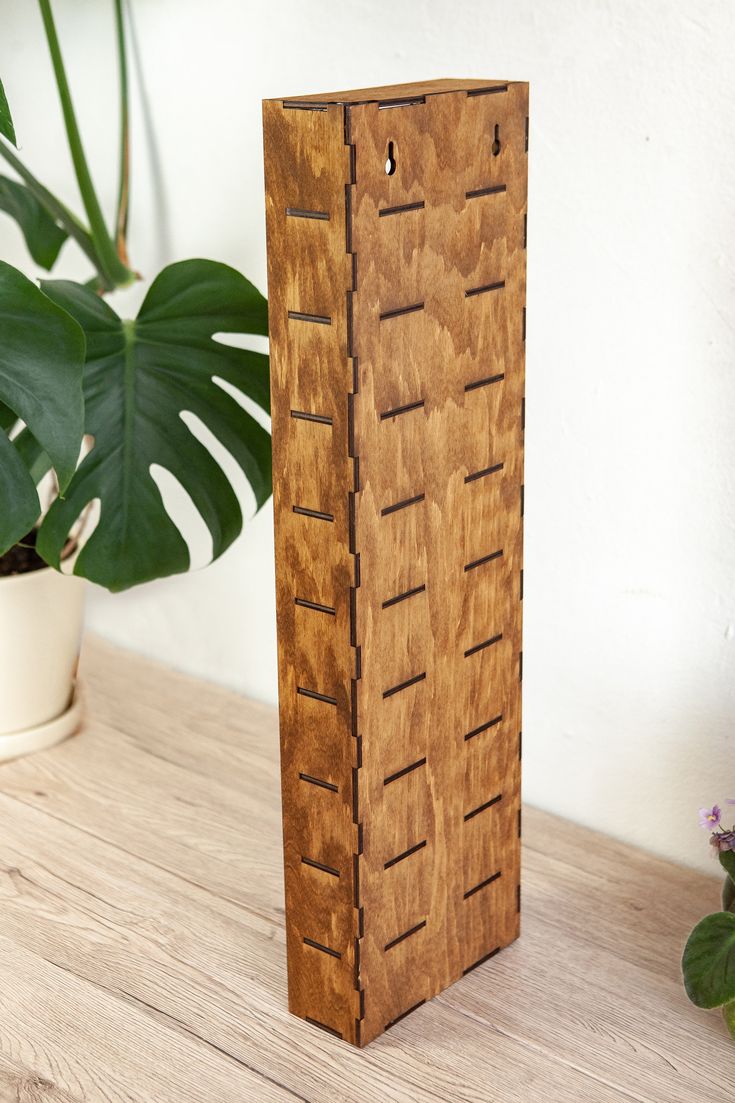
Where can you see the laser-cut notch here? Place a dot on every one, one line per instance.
(304, 604)
(406, 770)
(485, 471)
(482, 885)
(484, 559)
(383, 212)
(320, 782)
(316, 513)
(491, 189)
(402, 505)
(483, 727)
(312, 862)
(321, 319)
(474, 386)
(402, 597)
(480, 961)
(402, 409)
(403, 1014)
(304, 415)
(483, 807)
(323, 1026)
(401, 310)
(312, 693)
(481, 646)
(404, 685)
(472, 291)
(405, 854)
(406, 934)
(324, 949)
(297, 212)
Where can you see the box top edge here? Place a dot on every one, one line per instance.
(396, 92)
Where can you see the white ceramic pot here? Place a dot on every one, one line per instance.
(41, 616)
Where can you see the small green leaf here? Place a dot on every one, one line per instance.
(43, 237)
(6, 122)
(139, 378)
(709, 961)
(41, 363)
(727, 861)
(728, 895)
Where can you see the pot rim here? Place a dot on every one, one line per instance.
(42, 572)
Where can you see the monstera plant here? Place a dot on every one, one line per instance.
(72, 369)
(91, 404)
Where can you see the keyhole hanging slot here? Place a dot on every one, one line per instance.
(496, 141)
(390, 164)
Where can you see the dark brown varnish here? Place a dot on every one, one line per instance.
(397, 326)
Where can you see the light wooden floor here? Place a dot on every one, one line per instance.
(142, 950)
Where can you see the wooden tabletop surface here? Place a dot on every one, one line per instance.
(142, 944)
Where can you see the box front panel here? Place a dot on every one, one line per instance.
(438, 320)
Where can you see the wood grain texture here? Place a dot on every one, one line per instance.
(397, 314)
(142, 943)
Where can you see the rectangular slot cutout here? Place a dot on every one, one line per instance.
(402, 505)
(321, 319)
(320, 782)
(484, 559)
(492, 189)
(297, 212)
(482, 885)
(320, 866)
(404, 771)
(385, 211)
(324, 949)
(406, 854)
(485, 471)
(312, 693)
(304, 604)
(402, 597)
(404, 685)
(498, 286)
(406, 934)
(483, 807)
(401, 310)
(484, 382)
(304, 512)
(484, 727)
(303, 415)
(483, 645)
(402, 409)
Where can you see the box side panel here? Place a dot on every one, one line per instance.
(438, 324)
(307, 169)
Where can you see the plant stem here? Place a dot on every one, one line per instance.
(113, 268)
(123, 201)
(58, 211)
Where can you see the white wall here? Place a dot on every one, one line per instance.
(630, 507)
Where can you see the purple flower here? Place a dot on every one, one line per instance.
(723, 840)
(710, 817)
(729, 801)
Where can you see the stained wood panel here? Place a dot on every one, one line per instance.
(396, 224)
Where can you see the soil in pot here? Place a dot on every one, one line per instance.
(22, 557)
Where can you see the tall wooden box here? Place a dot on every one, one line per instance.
(396, 221)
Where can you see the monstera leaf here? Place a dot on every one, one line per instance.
(41, 362)
(139, 378)
(43, 237)
(6, 122)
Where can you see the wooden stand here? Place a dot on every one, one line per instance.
(396, 223)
